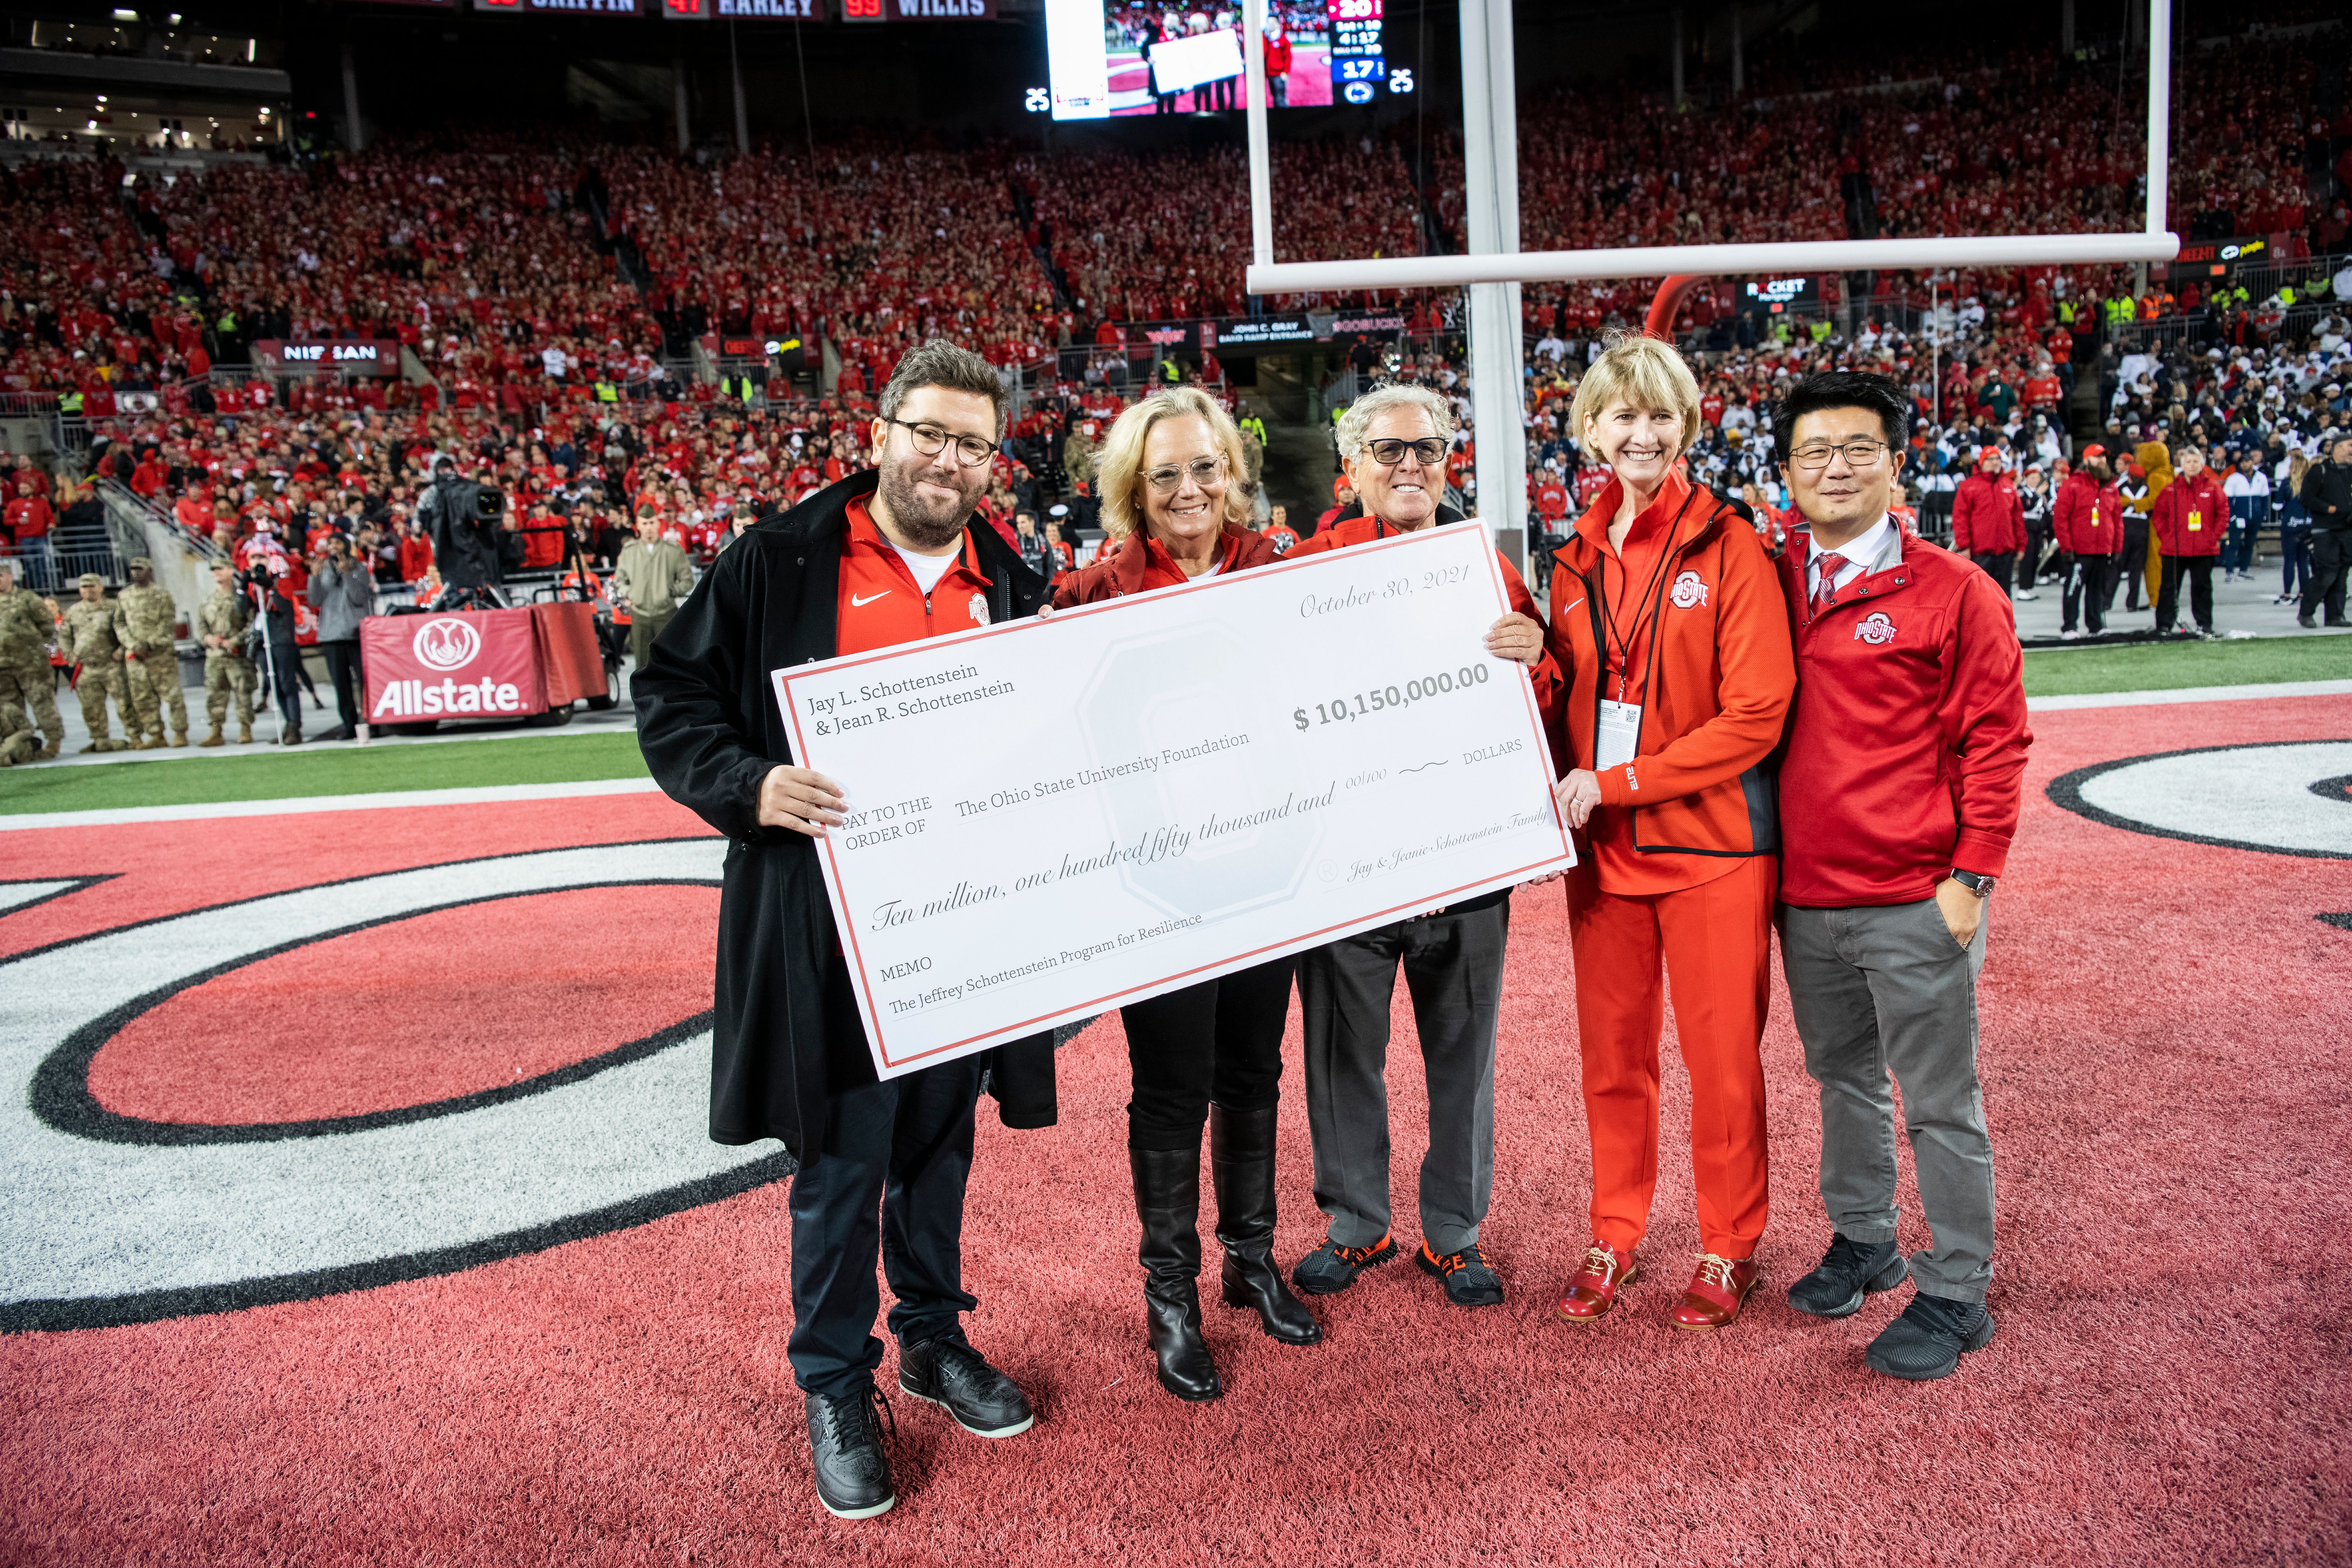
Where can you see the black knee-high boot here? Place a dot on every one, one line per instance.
(1240, 1159)
(1168, 1202)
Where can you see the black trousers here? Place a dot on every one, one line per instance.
(1218, 1040)
(889, 1178)
(2000, 568)
(2132, 565)
(2331, 555)
(2200, 571)
(343, 668)
(2090, 582)
(286, 679)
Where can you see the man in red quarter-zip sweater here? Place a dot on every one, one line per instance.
(1899, 789)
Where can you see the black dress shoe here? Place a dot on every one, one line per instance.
(853, 1473)
(1849, 1271)
(1928, 1340)
(947, 1372)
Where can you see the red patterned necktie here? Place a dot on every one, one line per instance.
(1825, 593)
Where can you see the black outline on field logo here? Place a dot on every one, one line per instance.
(60, 1097)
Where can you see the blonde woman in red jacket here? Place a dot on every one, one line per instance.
(1667, 619)
(2188, 520)
(1172, 504)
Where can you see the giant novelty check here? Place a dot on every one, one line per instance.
(1047, 819)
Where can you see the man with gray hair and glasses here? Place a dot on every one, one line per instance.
(1394, 442)
(885, 555)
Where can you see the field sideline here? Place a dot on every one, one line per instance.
(572, 759)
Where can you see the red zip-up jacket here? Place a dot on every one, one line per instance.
(1904, 755)
(1987, 516)
(2190, 516)
(2088, 517)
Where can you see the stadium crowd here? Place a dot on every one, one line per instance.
(549, 294)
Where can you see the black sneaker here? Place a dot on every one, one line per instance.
(1928, 1340)
(1849, 1271)
(1332, 1268)
(1469, 1282)
(853, 1473)
(947, 1372)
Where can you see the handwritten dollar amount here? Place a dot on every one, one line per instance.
(1341, 709)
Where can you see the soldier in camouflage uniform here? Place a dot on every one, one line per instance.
(221, 625)
(144, 618)
(91, 643)
(26, 632)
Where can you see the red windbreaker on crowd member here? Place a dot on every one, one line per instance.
(2190, 516)
(416, 557)
(1905, 745)
(2088, 517)
(1987, 516)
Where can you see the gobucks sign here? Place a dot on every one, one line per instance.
(481, 664)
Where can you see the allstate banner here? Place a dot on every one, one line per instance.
(472, 664)
(1051, 818)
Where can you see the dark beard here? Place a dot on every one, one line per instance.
(926, 526)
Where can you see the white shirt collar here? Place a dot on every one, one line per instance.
(1860, 552)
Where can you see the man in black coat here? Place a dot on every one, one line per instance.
(852, 567)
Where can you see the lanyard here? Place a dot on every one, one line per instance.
(1645, 606)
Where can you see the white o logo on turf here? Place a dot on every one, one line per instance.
(114, 1220)
(446, 644)
(2286, 797)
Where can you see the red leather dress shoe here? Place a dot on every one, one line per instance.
(1594, 1289)
(1716, 1292)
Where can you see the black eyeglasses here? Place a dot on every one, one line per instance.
(1389, 451)
(928, 439)
(1859, 453)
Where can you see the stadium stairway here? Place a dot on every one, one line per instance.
(1299, 462)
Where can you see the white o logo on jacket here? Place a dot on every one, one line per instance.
(1874, 628)
(1688, 590)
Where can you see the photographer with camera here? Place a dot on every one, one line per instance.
(474, 541)
(342, 593)
(654, 576)
(264, 583)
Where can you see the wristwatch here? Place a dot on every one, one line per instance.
(1981, 885)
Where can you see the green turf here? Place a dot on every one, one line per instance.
(391, 765)
(2168, 667)
(563, 759)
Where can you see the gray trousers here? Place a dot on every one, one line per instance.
(1453, 970)
(1886, 990)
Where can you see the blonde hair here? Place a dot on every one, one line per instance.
(1639, 370)
(1118, 464)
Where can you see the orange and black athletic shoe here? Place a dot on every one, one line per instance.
(1332, 1268)
(1468, 1279)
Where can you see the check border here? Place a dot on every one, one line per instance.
(783, 678)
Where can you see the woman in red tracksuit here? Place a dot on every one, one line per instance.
(2188, 521)
(1172, 504)
(1668, 621)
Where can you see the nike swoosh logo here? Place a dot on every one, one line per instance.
(857, 604)
(1572, 606)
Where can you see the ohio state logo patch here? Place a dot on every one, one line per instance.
(979, 609)
(1874, 628)
(1688, 590)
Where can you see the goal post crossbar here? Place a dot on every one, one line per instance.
(1266, 276)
